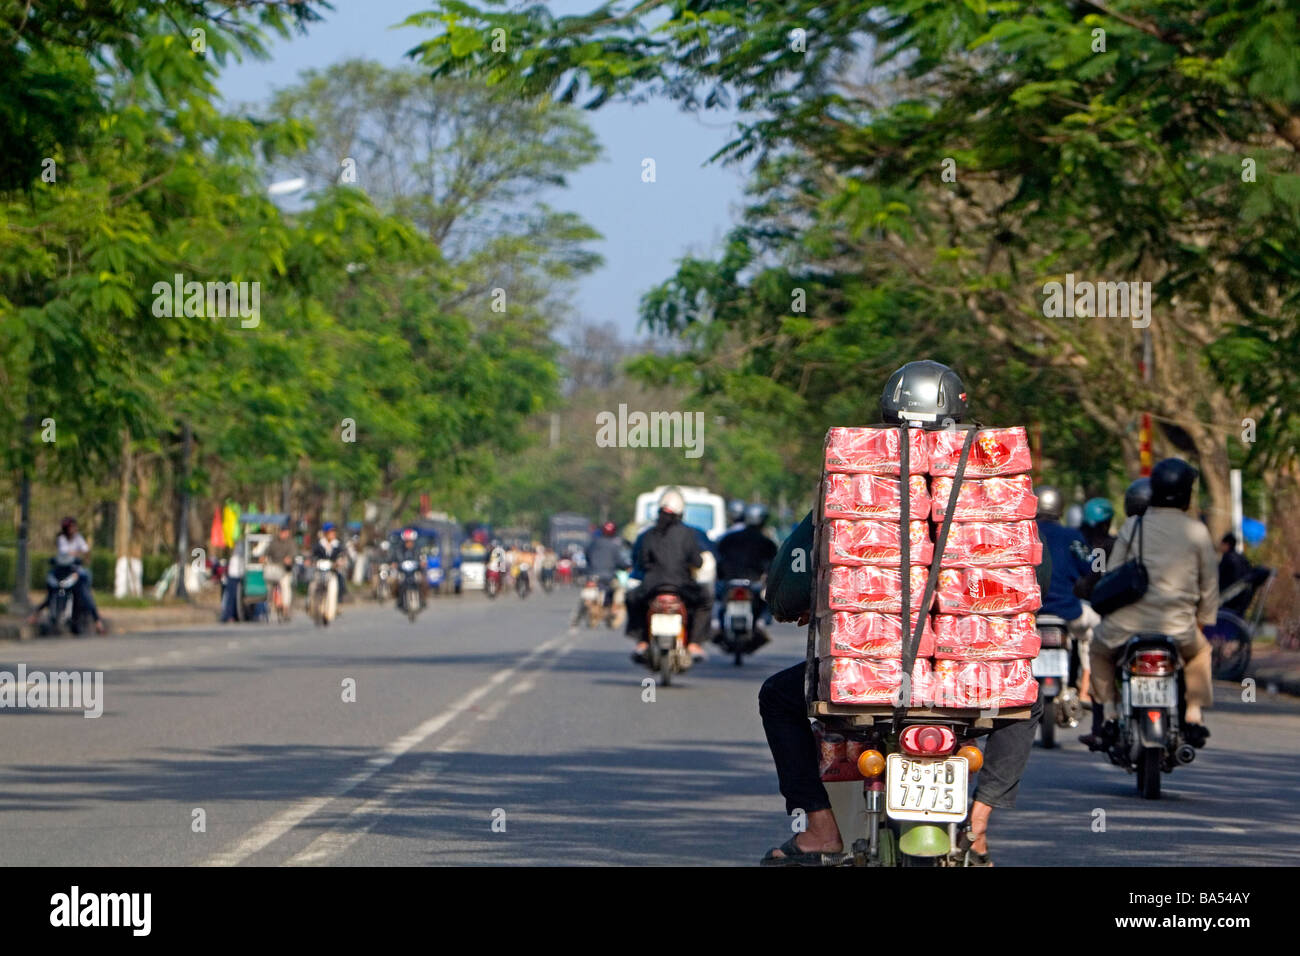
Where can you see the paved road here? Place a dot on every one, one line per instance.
(494, 711)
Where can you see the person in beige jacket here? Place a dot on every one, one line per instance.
(1181, 599)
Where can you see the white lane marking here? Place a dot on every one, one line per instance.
(358, 823)
(267, 832)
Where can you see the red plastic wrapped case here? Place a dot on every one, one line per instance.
(851, 680)
(986, 591)
(868, 634)
(874, 542)
(873, 496)
(992, 544)
(875, 451)
(985, 637)
(838, 755)
(983, 684)
(986, 499)
(868, 588)
(996, 452)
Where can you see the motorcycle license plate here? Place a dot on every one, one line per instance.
(738, 609)
(665, 625)
(1152, 692)
(590, 594)
(926, 788)
(1052, 662)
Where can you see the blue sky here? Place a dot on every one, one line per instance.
(647, 226)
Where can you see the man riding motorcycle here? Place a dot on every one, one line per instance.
(746, 555)
(1181, 599)
(735, 515)
(931, 394)
(666, 554)
(278, 568)
(407, 551)
(604, 561)
(1070, 562)
(328, 547)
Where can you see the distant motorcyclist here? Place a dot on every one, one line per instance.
(70, 548)
(406, 550)
(278, 569)
(666, 555)
(746, 555)
(1181, 599)
(1070, 562)
(328, 547)
(735, 515)
(605, 558)
(1233, 566)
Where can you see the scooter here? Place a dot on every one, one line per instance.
(408, 588)
(1052, 668)
(493, 581)
(522, 583)
(667, 626)
(737, 636)
(64, 609)
(323, 596)
(1153, 703)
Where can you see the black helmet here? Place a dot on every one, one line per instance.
(924, 392)
(1074, 515)
(1050, 503)
(1172, 481)
(735, 510)
(1137, 497)
(756, 516)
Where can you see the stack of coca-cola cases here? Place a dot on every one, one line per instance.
(979, 636)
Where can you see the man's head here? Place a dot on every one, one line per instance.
(1228, 544)
(284, 532)
(672, 503)
(755, 516)
(68, 526)
(1097, 515)
(408, 537)
(1137, 497)
(1051, 505)
(331, 533)
(609, 529)
(925, 393)
(735, 511)
(1172, 482)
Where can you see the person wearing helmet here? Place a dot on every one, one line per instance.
(1137, 497)
(746, 555)
(407, 549)
(328, 547)
(665, 555)
(1073, 515)
(605, 558)
(1181, 599)
(735, 515)
(1070, 563)
(931, 396)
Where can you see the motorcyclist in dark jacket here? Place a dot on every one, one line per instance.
(667, 555)
(406, 550)
(605, 558)
(746, 555)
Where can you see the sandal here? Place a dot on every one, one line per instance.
(1196, 734)
(793, 856)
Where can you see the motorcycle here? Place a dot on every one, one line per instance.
(383, 582)
(1054, 668)
(408, 588)
(493, 582)
(522, 583)
(900, 800)
(737, 619)
(546, 578)
(667, 626)
(64, 609)
(323, 594)
(602, 602)
(1152, 696)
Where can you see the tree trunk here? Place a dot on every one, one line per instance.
(22, 559)
(122, 542)
(183, 512)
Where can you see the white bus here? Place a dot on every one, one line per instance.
(704, 510)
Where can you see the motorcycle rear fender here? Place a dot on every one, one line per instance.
(1148, 732)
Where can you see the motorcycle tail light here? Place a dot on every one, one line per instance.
(739, 594)
(974, 756)
(927, 741)
(871, 764)
(1051, 637)
(1153, 663)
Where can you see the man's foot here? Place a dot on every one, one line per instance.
(1196, 734)
(99, 627)
(639, 655)
(808, 851)
(696, 651)
(1103, 740)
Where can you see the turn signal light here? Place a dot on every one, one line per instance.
(871, 763)
(974, 756)
(927, 740)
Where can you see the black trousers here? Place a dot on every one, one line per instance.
(794, 749)
(698, 606)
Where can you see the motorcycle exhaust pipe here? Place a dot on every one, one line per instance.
(1185, 754)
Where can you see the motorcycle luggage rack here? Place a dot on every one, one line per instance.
(866, 715)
